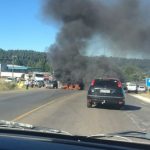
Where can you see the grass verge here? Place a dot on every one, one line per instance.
(5, 86)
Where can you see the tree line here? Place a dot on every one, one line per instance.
(25, 58)
(125, 69)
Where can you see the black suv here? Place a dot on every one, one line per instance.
(106, 91)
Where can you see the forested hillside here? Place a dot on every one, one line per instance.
(125, 69)
(25, 58)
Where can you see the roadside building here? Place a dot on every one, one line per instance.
(15, 71)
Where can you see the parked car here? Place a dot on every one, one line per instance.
(106, 91)
(40, 84)
(132, 87)
(141, 88)
(51, 84)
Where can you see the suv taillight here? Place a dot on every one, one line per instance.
(93, 83)
(119, 84)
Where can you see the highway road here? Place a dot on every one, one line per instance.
(67, 110)
(16, 103)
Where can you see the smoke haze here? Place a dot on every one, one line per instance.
(122, 24)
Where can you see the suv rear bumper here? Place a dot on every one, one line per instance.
(108, 100)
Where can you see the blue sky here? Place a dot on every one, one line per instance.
(21, 26)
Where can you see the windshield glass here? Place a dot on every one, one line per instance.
(81, 66)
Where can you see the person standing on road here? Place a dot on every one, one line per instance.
(32, 83)
(27, 84)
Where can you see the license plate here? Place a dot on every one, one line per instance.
(104, 91)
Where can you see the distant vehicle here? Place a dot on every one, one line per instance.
(40, 84)
(38, 76)
(141, 88)
(106, 91)
(51, 84)
(10, 79)
(25, 76)
(132, 87)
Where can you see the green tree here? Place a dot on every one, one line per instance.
(132, 73)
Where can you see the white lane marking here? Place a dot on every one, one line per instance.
(63, 98)
(147, 100)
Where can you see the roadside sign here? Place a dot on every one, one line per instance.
(148, 82)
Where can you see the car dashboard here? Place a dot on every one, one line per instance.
(24, 140)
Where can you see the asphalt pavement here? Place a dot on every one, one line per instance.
(67, 110)
(16, 103)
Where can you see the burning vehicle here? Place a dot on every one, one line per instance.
(73, 86)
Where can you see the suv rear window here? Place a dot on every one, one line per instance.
(106, 83)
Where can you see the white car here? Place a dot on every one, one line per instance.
(132, 88)
(141, 88)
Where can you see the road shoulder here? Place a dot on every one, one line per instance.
(19, 90)
(142, 98)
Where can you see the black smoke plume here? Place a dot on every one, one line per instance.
(122, 23)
